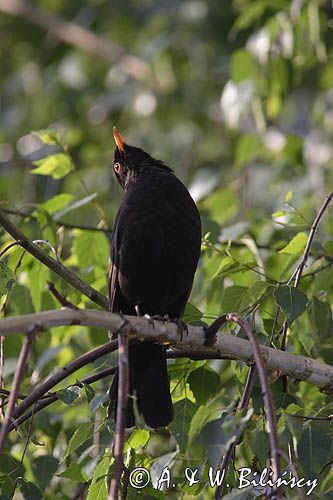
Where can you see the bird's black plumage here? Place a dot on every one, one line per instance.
(155, 248)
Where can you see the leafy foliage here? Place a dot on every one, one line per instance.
(238, 100)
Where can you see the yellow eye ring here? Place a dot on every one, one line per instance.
(117, 167)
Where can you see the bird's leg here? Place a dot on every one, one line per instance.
(147, 316)
(137, 310)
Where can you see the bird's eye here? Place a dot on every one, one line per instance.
(117, 167)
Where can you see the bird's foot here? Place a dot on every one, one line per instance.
(150, 319)
(181, 326)
(157, 317)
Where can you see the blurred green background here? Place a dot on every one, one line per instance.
(237, 97)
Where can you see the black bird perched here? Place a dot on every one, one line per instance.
(155, 248)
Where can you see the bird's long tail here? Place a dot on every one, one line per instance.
(148, 386)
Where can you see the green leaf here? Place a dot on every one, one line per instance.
(138, 438)
(98, 488)
(75, 205)
(7, 278)
(30, 491)
(90, 392)
(38, 276)
(219, 433)
(69, 395)
(232, 298)
(249, 15)
(21, 299)
(292, 301)
(204, 383)
(80, 436)
(293, 151)
(7, 487)
(248, 147)
(9, 466)
(44, 468)
(75, 473)
(225, 267)
(260, 445)
(314, 447)
(184, 410)
(307, 337)
(203, 415)
(96, 402)
(268, 325)
(160, 464)
(243, 66)
(296, 245)
(289, 197)
(57, 166)
(256, 292)
(320, 315)
(91, 249)
(48, 136)
(280, 213)
(57, 202)
(191, 313)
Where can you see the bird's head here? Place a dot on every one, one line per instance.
(129, 161)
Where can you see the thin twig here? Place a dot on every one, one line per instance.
(297, 274)
(59, 223)
(46, 400)
(46, 242)
(266, 390)
(265, 387)
(123, 381)
(8, 247)
(29, 433)
(291, 463)
(2, 399)
(52, 264)
(60, 298)
(21, 363)
(242, 409)
(60, 375)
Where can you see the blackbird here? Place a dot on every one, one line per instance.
(155, 247)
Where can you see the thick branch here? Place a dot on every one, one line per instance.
(295, 366)
(53, 264)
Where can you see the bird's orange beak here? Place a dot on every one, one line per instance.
(118, 139)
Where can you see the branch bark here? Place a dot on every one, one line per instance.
(121, 411)
(52, 264)
(295, 366)
(265, 387)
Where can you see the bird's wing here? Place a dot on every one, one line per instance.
(114, 268)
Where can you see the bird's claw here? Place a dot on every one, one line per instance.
(181, 325)
(150, 319)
